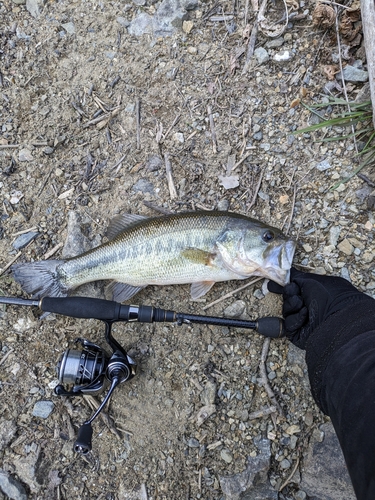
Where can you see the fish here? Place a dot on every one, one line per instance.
(198, 248)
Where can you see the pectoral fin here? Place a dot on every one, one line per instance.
(200, 288)
(198, 256)
(122, 291)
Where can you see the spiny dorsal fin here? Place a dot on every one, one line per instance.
(122, 222)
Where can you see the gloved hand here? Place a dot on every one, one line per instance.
(309, 299)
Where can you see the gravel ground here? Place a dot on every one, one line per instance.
(94, 97)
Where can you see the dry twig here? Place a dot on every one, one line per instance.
(10, 263)
(263, 375)
(138, 122)
(212, 127)
(227, 295)
(168, 169)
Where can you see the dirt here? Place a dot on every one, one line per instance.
(55, 158)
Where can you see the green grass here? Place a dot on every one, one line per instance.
(357, 119)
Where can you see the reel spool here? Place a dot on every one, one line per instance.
(90, 371)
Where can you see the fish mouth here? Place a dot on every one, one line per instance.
(279, 262)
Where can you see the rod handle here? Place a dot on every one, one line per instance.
(271, 326)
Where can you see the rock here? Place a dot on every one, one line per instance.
(208, 395)
(236, 309)
(282, 57)
(179, 137)
(154, 163)
(187, 26)
(12, 488)
(204, 413)
(143, 186)
(193, 443)
(24, 239)
(273, 44)
(43, 409)
(26, 468)
(142, 24)
(323, 165)
(226, 456)
(352, 74)
(261, 55)
(25, 155)
(334, 234)
(76, 242)
(69, 28)
(345, 247)
(285, 464)
(325, 461)
(35, 7)
(123, 22)
(8, 430)
(256, 472)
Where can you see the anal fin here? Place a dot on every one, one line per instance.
(200, 288)
(122, 291)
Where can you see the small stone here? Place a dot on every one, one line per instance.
(323, 165)
(223, 205)
(187, 26)
(208, 395)
(193, 443)
(307, 247)
(192, 50)
(143, 186)
(179, 137)
(24, 239)
(35, 7)
(48, 150)
(226, 456)
(236, 309)
(367, 256)
(154, 163)
(69, 28)
(282, 57)
(11, 487)
(272, 375)
(123, 22)
(285, 464)
(261, 55)
(141, 25)
(352, 74)
(43, 409)
(273, 44)
(334, 234)
(293, 429)
(8, 430)
(258, 136)
(345, 247)
(368, 226)
(300, 495)
(25, 155)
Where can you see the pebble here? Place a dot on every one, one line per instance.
(208, 395)
(123, 22)
(323, 165)
(179, 137)
(352, 74)
(43, 409)
(236, 309)
(334, 234)
(226, 456)
(34, 7)
(25, 155)
(11, 487)
(8, 430)
(69, 28)
(193, 443)
(187, 26)
(300, 495)
(273, 44)
(261, 55)
(24, 239)
(345, 247)
(285, 464)
(282, 57)
(144, 186)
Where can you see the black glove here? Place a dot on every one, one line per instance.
(309, 299)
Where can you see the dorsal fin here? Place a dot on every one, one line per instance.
(121, 222)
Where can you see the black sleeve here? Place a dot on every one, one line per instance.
(340, 356)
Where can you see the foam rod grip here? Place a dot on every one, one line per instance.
(82, 307)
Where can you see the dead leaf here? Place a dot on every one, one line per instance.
(230, 182)
(284, 199)
(330, 71)
(296, 102)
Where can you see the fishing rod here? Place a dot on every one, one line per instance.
(92, 370)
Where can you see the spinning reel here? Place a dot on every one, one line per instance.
(91, 370)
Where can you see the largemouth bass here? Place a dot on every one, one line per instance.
(200, 248)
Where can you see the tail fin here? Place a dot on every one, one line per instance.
(40, 279)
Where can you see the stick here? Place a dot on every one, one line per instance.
(241, 161)
(292, 210)
(226, 296)
(263, 374)
(212, 127)
(262, 413)
(162, 210)
(34, 228)
(53, 250)
(256, 190)
(290, 475)
(4, 146)
(168, 169)
(368, 19)
(138, 122)
(175, 121)
(10, 263)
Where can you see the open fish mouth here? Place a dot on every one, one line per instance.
(278, 263)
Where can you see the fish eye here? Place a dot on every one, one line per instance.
(268, 236)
